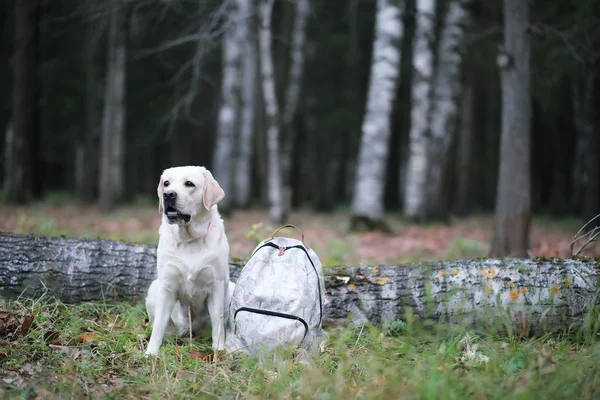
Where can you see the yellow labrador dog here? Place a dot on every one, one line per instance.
(192, 258)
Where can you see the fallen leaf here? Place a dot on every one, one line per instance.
(51, 336)
(26, 324)
(11, 325)
(8, 324)
(206, 356)
(200, 356)
(87, 337)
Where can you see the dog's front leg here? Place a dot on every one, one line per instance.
(164, 303)
(216, 309)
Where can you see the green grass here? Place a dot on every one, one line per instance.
(461, 248)
(96, 350)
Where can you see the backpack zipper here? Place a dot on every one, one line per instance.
(272, 314)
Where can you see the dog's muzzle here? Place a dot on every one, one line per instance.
(174, 216)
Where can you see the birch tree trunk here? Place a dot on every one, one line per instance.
(112, 160)
(586, 172)
(513, 198)
(243, 168)
(292, 93)
(25, 116)
(423, 60)
(367, 200)
(225, 156)
(445, 105)
(516, 295)
(277, 210)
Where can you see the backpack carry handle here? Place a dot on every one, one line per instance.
(290, 226)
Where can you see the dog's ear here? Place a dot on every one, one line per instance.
(159, 191)
(212, 191)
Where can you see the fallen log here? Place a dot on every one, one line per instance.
(523, 295)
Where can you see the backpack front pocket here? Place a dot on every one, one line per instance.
(264, 328)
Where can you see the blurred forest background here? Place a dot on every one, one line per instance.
(425, 108)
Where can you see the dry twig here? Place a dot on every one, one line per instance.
(591, 236)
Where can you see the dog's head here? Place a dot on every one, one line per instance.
(183, 193)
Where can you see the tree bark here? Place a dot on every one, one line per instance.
(513, 198)
(243, 175)
(112, 156)
(587, 169)
(25, 101)
(445, 105)
(367, 200)
(462, 199)
(519, 295)
(9, 140)
(292, 93)
(228, 123)
(423, 63)
(86, 156)
(277, 204)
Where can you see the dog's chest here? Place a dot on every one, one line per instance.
(187, 273)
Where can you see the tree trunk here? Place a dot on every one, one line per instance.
(525, 296)
(112, 160)
(277, 203)
(513, 198)
(586, 172)
(292, 93)
(25, 100)
(462, 199)
(492, 134)
(560, 166)
(228, 123)
(403, 115)
(367, 201)
(9, 140)
(445, 105)
(87, 157)
(423, 63)
(243, 175)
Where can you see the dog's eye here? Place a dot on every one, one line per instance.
(189, 184)
(166, 183)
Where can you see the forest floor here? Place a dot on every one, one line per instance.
(49, 350)
(327, 233)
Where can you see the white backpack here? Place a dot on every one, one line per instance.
(278, 298)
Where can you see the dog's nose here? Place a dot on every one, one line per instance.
(170, 195)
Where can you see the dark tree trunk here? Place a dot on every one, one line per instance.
(87, 159)
(587, 170)
(462, 198)
(562, 154)
(519, 295)
(25, 101)
(513, 198)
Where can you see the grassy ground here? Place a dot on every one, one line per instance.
(96, 350)
(50, 350)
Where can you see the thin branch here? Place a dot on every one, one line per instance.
(591, 236)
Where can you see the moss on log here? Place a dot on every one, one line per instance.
(520, 295)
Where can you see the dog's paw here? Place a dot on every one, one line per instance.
(150, 354)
